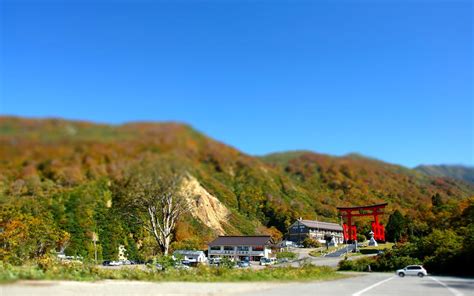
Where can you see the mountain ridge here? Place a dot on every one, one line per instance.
(459, 172)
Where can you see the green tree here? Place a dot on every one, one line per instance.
(396, 226)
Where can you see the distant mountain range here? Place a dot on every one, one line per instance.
(459, 172)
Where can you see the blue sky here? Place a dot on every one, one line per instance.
(388, 79)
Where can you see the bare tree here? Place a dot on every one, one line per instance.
(151, 195)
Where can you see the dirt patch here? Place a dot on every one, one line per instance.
(204, 206)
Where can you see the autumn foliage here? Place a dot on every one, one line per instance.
(56, 181)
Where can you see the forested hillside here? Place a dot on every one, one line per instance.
(459, 172)
(57, 177)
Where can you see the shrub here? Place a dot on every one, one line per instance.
(311, 243)
(361, 238)
(226, 263)
(361, 264)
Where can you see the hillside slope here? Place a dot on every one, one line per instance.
(61, 171)
(458, 172)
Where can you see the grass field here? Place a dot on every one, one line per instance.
(83, 272)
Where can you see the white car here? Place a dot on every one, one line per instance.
(417, 270)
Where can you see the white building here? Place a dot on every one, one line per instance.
(191, 256)
(251, 248)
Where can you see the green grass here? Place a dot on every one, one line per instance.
(286, 254)
(379, 247)
(80, 272)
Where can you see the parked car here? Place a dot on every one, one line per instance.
(267, 261)
(186, 262)
(106, 263)
(115, 263)
(243, 264)
(417, 270)
(283, 260)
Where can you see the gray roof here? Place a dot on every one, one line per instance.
(254, 240)
(320, 225)
(188, 252)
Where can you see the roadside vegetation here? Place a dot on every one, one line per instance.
(87, 272)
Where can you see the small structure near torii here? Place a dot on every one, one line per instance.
(350, 231)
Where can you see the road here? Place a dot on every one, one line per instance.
(364, 285)
(329, 260)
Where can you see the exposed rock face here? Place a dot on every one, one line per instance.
(204, 206)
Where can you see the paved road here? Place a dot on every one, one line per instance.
(378, 284)
(332, 261)
(342, 251)
(366, 285)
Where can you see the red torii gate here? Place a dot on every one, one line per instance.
(350, 231)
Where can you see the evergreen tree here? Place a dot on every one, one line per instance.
(396, 226)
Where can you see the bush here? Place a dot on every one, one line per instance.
(361, 238)
(361, 264)
(311, 243)
(226, 263)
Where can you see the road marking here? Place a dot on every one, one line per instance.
(372, 286)
(452, 290)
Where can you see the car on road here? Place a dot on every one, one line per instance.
(268, 261)
(243, 264)
(416, 270)
(111, 263)
(106, 263)
(283, 260)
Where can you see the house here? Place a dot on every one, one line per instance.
(317, 230)
(191, 256)
(251, 248)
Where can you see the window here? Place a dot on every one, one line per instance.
(413, 267)
(216, 248)
(242, 248)
(228, 248)
(257, 248)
